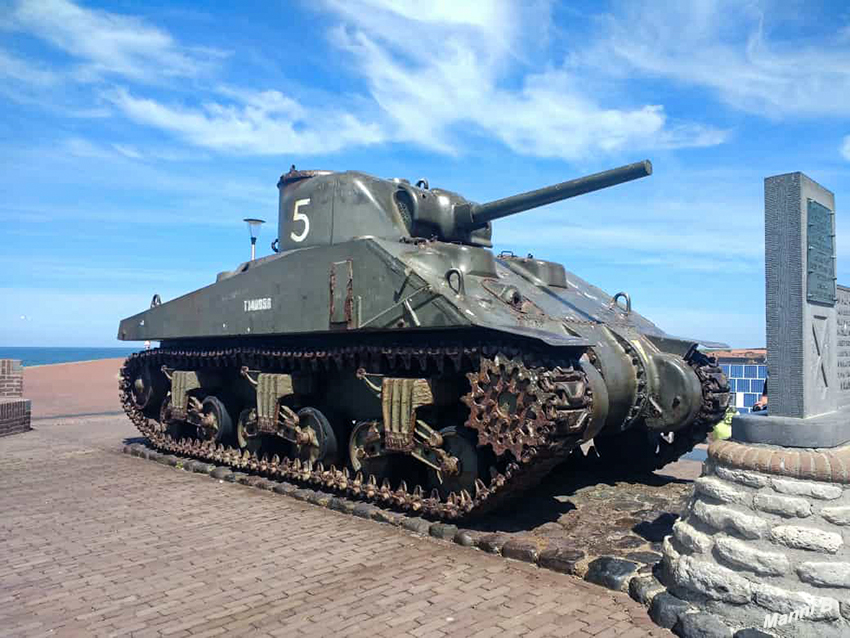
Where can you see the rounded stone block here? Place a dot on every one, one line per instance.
(417, 525)
(701, 625)
(342, 505)
(711, 580)
(744, 556)
(464, 538)
(721, 490)
(561, 559)
(644, 588)
(443, 530)
(811, 489)
(364, 510)
(201, 467)
(285, 488)
(137, 449)
(692, 538)
(188, 466)
(836, 515)
(808, 538)
(787, 506)
(820, 574)
(783, 601)
(666, 609)
(750, 479)
(613, 573)
(493, 543)
(523, 550)
(723, 517)
(319, 498)
(387, 516)
(220, 473)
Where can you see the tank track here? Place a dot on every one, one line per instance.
(552, 394)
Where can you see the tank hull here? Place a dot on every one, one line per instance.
(376, 286)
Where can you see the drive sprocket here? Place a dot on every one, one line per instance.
(523, 408)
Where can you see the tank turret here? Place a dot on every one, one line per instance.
(392, 209)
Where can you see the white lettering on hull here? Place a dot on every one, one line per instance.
(252, 305)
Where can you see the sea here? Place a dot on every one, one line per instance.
(45, 356)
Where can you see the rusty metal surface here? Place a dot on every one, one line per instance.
(510, 478)
(545, 406)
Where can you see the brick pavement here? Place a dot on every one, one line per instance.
(100, 543)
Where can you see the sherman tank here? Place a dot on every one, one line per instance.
(385, 352)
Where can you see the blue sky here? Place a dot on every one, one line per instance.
(135, 136)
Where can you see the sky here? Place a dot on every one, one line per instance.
(136, 135)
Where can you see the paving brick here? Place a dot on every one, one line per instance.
(110, 544)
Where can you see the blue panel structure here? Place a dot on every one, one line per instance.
(746, 379)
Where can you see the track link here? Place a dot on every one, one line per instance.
(553, 393)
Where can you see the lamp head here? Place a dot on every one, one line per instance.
(254, 226)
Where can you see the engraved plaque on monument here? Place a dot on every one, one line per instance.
(820, 256)
(842, 308)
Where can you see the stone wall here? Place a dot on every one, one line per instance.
(11, 378)
(14, 410)
(757, 544)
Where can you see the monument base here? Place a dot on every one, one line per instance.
(765, 542)
(823, 431)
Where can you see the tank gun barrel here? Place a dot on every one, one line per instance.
(477, 215)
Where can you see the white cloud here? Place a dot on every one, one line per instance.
(459, 74)
(80, 147)
(845, 148)
(18, 70)
(265, 122)
(726, 47)
(110, 43)
(441, 75)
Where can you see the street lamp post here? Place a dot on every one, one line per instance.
(254, 229)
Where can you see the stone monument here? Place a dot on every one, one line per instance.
(808, 368)
(764, 545)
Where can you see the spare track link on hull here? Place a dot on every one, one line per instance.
(560, 392)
